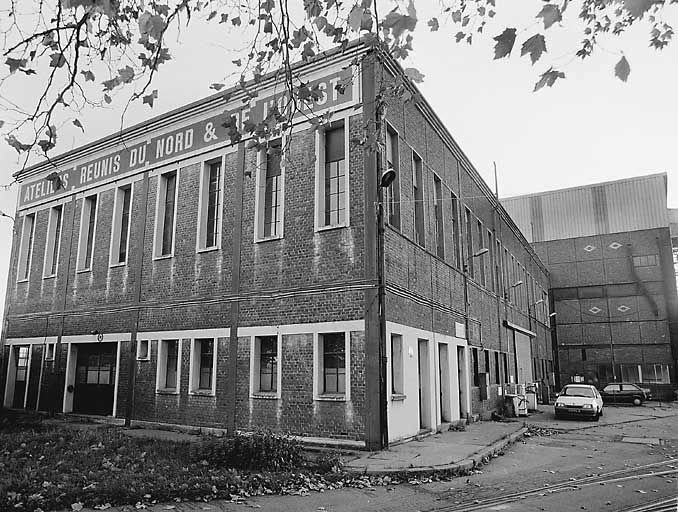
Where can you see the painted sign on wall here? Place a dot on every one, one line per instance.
(335, 89)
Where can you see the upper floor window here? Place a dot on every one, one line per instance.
(649, 260)
(455, 230)
(209, 221)
(121, 225)
(392, 192)
(418, 190)
(53, 244)
(438, 215)
(470, 251)
(490, 260)
(26, 247)
(165, 218)
(332, 177)
(87, 233)
(270, 191)
(481, 262)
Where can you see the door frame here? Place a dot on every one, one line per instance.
(10, 382)
(71, 365)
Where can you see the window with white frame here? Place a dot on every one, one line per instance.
(270, 191)
(332, 176)
(203, 366)
(121, 225)
(418, 193)
(169, 366)
(392, 192)
(164, 223)
(143, 350)
(265, 369)
(332, 363)
(50, 350)
(26, 247)
(88, 221)
(53, 242)
(397, 370)
(209, 221)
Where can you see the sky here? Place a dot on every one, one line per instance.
(588, 128)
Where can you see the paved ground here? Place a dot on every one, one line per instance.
(625, 462)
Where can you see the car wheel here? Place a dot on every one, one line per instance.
(637, 401)
(601, 412)
(597, 416)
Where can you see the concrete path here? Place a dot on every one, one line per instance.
(450, 450)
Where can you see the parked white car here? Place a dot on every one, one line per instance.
(581, 400)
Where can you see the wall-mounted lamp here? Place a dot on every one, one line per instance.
(3, 214)
(516, 284)
(387, 178)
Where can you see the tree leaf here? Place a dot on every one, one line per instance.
(89, 76)
(212, 15)
(637, 8)
(535, 46)
(548, 78)
(622, 69)
(414, 74)
(236, 21)
(149, 98)
(15, 64)
(505, 42)
(57, 60)
(16, 144)
(77, 123)
(126, 74)
(433, 23)
(551, 14)
(224, 18)
(355, 18)
(217, 86)
(107, 98)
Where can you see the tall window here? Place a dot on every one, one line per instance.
(497, 368)
(121, 216)
(334, 363)
(332, 207)
(397, 377)
(87, 233)
(497, 269)
(393, 190)
(268, 363)
(418, 187)
(209, 220)
(53, 241)
(490, 260)
(206, 347)
(481, 263)
(476, 371)
(167, 190)
(213, 195)
(169, 365)
(438, 214)
(270, 192)
(455, 229)
(26, 248)
(469, 243)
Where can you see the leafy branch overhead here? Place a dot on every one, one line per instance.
(85, 54)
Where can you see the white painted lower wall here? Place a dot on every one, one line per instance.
(406, 417)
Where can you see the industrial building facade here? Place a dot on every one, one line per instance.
(608, 250)
(169, 276)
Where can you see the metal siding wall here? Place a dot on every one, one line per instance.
(617, 207)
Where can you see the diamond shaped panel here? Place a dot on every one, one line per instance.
(614, 246)
(590, 248)
(595, 310)
(623, 308)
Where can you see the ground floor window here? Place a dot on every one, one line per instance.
(203, 365)
(332, 355)
(168, 365)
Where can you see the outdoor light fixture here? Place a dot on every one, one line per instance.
(3, 214)
(387, 178)
(538, 302)
(516, 284)
(480, 252)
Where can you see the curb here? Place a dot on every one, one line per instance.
(465, 465)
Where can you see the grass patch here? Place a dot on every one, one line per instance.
(48, 467)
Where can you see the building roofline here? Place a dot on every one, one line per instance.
(588, 186)
(222, 98)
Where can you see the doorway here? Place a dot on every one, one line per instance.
(444, 375)
(462, 381)
(94, 387)
(424, 385)
(21, 359)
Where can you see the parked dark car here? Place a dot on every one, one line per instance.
(624, 393)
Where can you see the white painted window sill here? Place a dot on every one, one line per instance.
(339, 397)
(263, 395)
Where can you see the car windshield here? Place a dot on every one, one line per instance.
(577, 391)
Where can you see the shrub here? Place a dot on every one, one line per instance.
(261, 451)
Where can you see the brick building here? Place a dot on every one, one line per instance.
(177, 278)
(608, 250)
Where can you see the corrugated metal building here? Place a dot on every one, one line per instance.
(608, 250)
